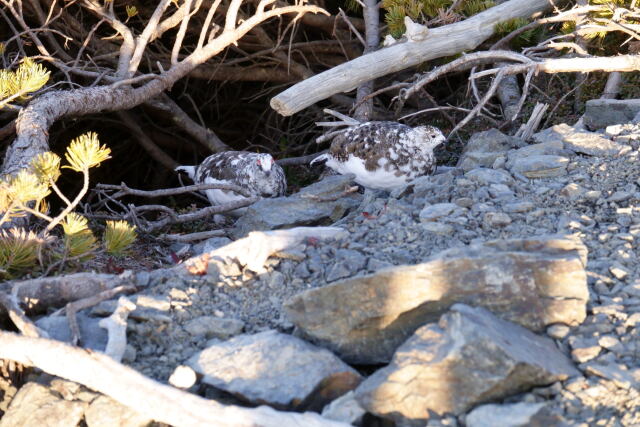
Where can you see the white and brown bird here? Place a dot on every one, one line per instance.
(257, 173)
(384, 155)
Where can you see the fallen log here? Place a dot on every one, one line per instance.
(443, 41)
(148, 397)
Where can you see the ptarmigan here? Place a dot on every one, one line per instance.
(257, 173)
(384, 155)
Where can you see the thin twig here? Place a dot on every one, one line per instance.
(483, 101)
(124, 190)
(73, 307)
(344, 193)
(193, 236)
(351, 27)
(303, 160)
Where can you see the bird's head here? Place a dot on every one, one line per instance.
(189, 170)
(265, 162)
(432, 135)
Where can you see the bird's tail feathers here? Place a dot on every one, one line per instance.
(320, 159)
(189, 170)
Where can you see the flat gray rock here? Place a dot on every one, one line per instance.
(487, 176)
(612, 372)
(508, 415)
(214, 327)
(275, 369)
(535, 282)
(35, 405)
(600, 113)
(439, 210)
(484, 148)
(470, 356)
(579, 141)
(548, 146)
(540, 166)
(313, 205)
(91, 334)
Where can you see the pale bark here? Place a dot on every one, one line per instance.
(444, 41)
(371, 14)
(116, 326)
(150, 398)
(37, 295)
(612, 88)
(253, 251)
(35, 120)
(509, 95)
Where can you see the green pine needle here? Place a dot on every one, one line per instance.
(118, 236)
(26, 187)
(17, 85)
(85, 152)
(46, 166)
(18, 251)
(79, 241)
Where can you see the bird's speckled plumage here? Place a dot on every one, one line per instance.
(384, 155)
(257, 173)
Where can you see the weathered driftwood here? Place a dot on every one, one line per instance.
(74, 307)
(39, 294)
(443, 41)
(144, 395)
(116, 326)
(252, 251)
(528, 129)
(509, 95)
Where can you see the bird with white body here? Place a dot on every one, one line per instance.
(383, 155)
(257, 173)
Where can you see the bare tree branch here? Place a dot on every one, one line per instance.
(157, 401)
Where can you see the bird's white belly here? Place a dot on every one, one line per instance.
(221, 197)
(378, 179)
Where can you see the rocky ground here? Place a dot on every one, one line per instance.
(349, 296)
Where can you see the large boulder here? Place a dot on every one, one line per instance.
(322, 203)
(469, 357)
(275, 369)
(534, 282)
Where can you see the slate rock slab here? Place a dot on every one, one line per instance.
(91, 334)
(470, 356)
(311, 206)
(600, 113)
(35, 405)
(535, 282)
(589, 143)
(540, 166)
(275, 369)
(521, 414)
